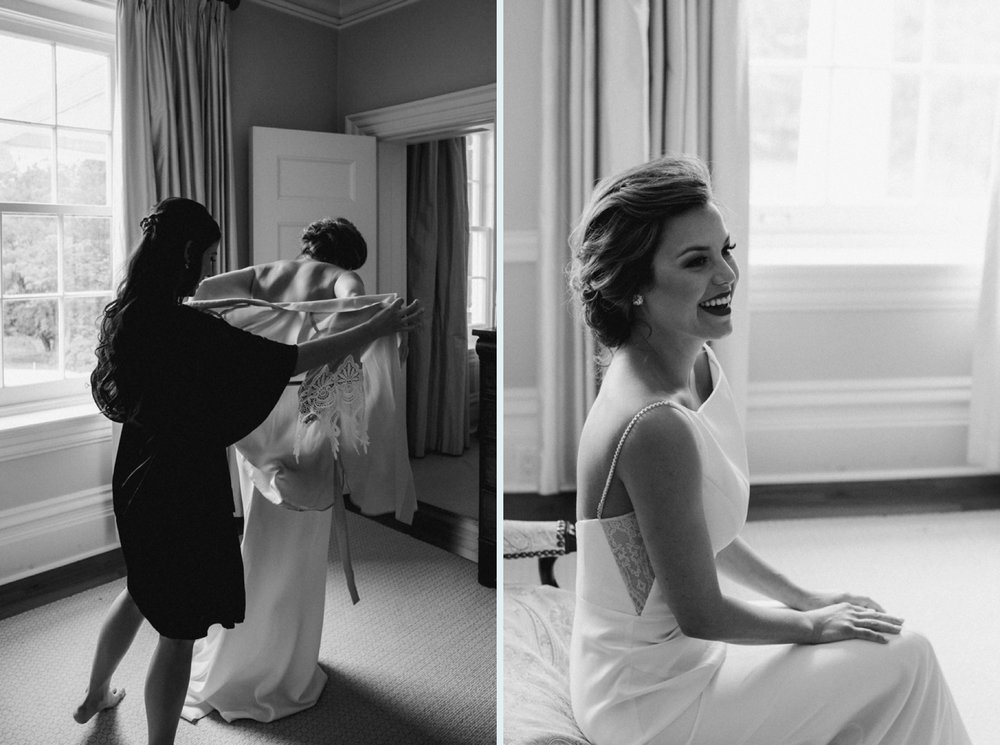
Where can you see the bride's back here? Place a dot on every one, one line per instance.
(297, 280)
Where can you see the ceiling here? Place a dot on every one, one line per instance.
(335, 13)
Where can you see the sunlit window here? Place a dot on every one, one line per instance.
(481, 289)
(872, 129)
(55, 212)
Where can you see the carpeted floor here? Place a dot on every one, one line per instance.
(450, 482)
(414, 662)
(940, 572)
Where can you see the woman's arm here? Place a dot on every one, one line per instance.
(661, 469)
(348, 284)
(391, 319)
(231, 284)
(741, 563)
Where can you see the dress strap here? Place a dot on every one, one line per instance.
(618, 451)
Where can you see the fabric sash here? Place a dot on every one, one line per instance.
(339, 427)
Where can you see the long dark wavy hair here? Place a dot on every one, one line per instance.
(163, 270)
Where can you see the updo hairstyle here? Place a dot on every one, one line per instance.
(335, 240)
(615, 241)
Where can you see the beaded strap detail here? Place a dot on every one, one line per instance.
(618, 450)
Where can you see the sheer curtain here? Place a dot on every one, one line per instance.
(699, 105)
(174, 122)
(984, 424)
(623, 82)
(437, 241)
(592, 99)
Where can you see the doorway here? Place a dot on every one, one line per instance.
(446, 484)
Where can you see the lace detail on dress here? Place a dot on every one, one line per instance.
(335, 401)
(629, 550)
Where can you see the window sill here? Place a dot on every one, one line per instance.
(50, 426)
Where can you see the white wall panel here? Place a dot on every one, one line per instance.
(521, 441)
(53, 532)
(859, 372)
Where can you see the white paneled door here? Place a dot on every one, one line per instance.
(301, 176)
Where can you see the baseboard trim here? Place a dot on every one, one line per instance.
(456, 534)
(886, 497)
(61, 582)
(821, 499)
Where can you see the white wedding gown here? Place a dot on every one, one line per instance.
(635, 678)
(340, 431)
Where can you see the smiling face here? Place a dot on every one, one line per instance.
(694, 275)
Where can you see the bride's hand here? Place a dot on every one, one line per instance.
(849, 621)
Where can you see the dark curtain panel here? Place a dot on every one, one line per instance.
(437, 227)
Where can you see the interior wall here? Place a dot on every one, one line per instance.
(423, 49)
(282, 73)
(856, 372)
(522, 151)
(860, 372)
(55, 494)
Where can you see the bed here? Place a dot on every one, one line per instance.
(537, 621)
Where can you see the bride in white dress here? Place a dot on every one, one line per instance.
(658, 653)
(291, 481)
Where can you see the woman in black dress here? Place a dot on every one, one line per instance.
(185, 385)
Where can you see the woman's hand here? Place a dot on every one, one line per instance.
(834, 623)
(396, 317)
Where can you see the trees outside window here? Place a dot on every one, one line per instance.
(56, 270)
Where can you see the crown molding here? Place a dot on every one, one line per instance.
(335, 14)
(364, 11)
(94, 19)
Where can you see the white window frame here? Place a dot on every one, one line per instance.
(883, 232)
(483, 172)
(88, 26)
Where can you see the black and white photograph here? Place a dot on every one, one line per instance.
(248, 380)
(751, 433)
(535, 372)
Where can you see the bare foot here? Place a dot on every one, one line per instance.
(91, 705)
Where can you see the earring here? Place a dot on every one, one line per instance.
(638, 300)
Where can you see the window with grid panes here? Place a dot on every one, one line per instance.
(872, 129)
(56, 272)
(481, 260)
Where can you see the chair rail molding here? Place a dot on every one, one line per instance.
(859, 403)
(46, 432)
(54, 532)
(863, 288)
(520, 246)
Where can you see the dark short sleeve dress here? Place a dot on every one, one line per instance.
(203, 385)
